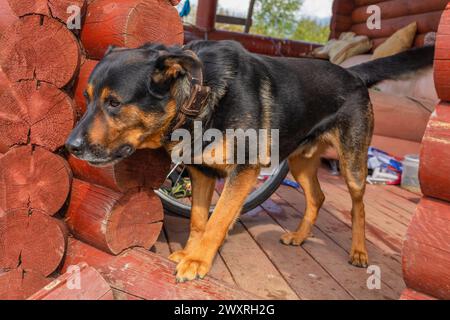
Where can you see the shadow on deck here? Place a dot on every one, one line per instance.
(255, 260)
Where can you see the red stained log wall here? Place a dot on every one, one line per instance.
(129, 23)
(113, 221)
(41, 48)
(426, 250)
(351, 15)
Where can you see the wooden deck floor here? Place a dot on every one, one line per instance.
(255, 260)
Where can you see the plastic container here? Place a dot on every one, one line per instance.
(410, 175)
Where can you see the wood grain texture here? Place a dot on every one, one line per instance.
(81, 283)
(7, 16)
(113, 221)
(426, 250)
(40, 48)
(36, 113)
(435, 155)
(18, 284)
(145, 168)
(129, 23)
(145, 275)
(35, 179)
(81, 84)
(442, 58)
(55, 9)
(32, 240)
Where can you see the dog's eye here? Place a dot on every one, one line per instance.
(113, 103)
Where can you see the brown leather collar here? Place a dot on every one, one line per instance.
(197, 101)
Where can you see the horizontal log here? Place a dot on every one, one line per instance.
(419, 41)
(343, 7)
(111, 221)
(435, 155)
(18, 284)
(145, 168)
(55, 9)
(426, 22)
(254, 43)
(129, 23)
(82, 282)
(409, 294)
(360, 3)
(32, 240)
(399, 8)
(41, 48)
(36, 113)
(33, 178)
(426, 250)
(81, 84)
(442, 62)
(145, 275)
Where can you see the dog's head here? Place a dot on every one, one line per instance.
(133, 97)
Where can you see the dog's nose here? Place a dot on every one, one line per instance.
(75, 146)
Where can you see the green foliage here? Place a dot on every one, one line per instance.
(280, 19)
(311, 30)
(275, 18)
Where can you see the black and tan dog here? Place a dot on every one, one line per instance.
(138, 97)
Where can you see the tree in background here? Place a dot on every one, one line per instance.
(281, 19)
(309, 29)
(276, 18)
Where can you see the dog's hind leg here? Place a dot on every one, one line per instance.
(352, 140)
(202, 192)
(304, 168)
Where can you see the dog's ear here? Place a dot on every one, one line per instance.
(169, 67)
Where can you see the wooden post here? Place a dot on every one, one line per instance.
(206, 15)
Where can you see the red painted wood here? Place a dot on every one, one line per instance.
(40, 114)
(254, 43)
(113, 221)
(145, 168)
(409, 294)
(145, 275)
(435, 155)
(81, 84)
(442, 62)
(82, 282)
(48, 51)
(206, 15)
(33, 178)
(129, 23)
(426, 22)
(55, 9)
(426, 250)
(31, 240)
(399, 8)
(7, 16)
(18, 284)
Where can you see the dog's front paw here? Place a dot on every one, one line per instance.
(359, 258)
(177, 256)
(292, 239)
(190, 269)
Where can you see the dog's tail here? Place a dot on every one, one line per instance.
(394, 67)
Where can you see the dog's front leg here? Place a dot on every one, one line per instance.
(202, 192)
(198, 261)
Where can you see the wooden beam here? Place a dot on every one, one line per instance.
(206, 15)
